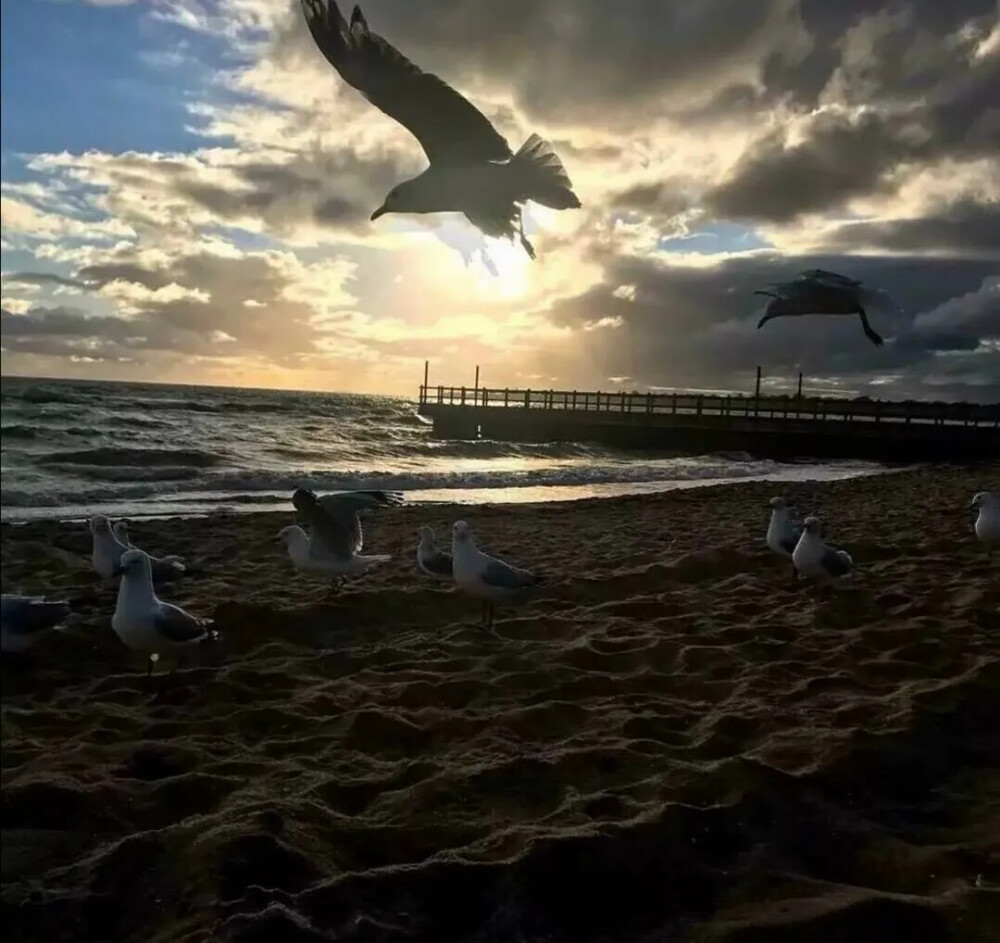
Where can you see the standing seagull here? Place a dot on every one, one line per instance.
(813, 558)
(144, 622)
(120, 530)
(472, 169)
(432, 561)
(782, 534)
(486, 577)
(26, 620)
(988, 520)
(334, 549)
(109, 545)
(818, 292)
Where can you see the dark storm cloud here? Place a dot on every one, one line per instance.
(695, 326)
(965, 227)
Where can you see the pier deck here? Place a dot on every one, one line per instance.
(770, 426)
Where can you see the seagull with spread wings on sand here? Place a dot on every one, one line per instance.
(472, 168)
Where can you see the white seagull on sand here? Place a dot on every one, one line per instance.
(144, 622)
(813, 558)
(782, 534)
(486, 577)
(333, 550)
(818, 292)
(120, 530)
(26, 620)
(108, 548)
(472, 169)
(988, 520)
(432, 561)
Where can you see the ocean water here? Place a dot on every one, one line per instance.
(71, 449)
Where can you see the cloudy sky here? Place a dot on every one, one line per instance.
(186, 188)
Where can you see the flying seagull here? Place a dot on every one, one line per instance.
(816, 291)
(109, 545)
(472, 168)
(334, 547)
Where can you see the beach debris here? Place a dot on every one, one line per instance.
(144, 622)
(109, 545)
(333, 548)
(472, 168)
(431, 560)
(26, 620)
(782, 533)
(814, 559)
(825, 293)
(486, 577)
(987, 526)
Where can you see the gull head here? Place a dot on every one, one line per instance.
(811, 525)
(99, 524)
(461, 532)
(418, 195)
(133, 561)
(426, 535)
(983, 499)
(120, 530)
(288, 535)
(777, 503)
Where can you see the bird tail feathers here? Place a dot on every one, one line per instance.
(541, 176)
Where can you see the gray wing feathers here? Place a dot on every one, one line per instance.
(175, 624)
(438, 562)
(835, 562)
(447, 125)
(504, 576)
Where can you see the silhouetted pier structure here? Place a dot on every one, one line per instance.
(784, 426)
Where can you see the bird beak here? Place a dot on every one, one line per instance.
(381, 211)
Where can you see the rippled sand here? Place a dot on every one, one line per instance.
(671, 742)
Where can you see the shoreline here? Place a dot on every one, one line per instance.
(510, 496)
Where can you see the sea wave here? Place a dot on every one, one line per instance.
(136, 459)
(185, 484)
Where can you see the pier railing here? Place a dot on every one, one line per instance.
(788, 407)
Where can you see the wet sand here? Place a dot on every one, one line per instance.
(671, 742)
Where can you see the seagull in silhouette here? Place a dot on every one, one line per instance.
(26, 620)
(816, 291)
(490, 579)
(472, 168)
(814, 559)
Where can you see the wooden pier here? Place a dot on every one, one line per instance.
(791, 426)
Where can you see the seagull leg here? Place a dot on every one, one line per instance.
(528, 247)
(150, 661)
(489, 615)
(869, 333)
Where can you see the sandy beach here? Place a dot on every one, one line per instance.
(670, 742)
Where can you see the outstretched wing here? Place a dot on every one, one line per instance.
(821, 275)
(448, 126)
